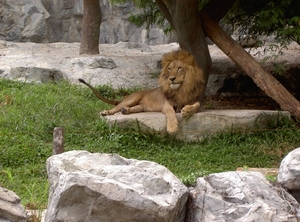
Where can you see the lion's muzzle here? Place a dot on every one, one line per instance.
(175, 85)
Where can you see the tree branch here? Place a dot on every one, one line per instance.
(162, 6)
(260, 76)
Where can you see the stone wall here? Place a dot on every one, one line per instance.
(44, 21)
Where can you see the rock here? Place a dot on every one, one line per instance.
(117, 65)
(240, 197)
(23, 20)
(11, 209)
(289, 173)
(35, 74)
(135, 65)
(107, 187)
(61, 21)
(94, 63)
(105, 63)
(203, 124)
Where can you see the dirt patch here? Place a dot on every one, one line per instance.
(240, 102)
(242, 93)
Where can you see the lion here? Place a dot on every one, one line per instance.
(181, 87)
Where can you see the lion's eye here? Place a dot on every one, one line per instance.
(179, 69)
(169, 69)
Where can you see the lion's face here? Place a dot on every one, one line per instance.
(175, 74)
(180, 79)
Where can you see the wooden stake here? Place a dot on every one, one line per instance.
(58, 141)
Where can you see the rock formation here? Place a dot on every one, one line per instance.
(60, 21)
(289, 173)
(240, 197)
(107, 187)
(11, 209)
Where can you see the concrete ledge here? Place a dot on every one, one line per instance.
(203, 124)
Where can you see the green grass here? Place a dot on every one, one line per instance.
(29, 112)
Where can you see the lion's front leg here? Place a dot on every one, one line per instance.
(189, 110)
(106, 112)
(172, 122)
(110, 111)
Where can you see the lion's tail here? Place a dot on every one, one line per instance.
(112, 102)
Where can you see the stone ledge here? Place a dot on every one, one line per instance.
(202, 124)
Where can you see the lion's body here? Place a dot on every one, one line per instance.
(181, 88)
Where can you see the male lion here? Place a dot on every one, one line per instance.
(181, 88)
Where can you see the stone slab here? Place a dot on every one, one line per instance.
(203, 124)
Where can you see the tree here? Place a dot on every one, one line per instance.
(92, 18)
(280, 18)
(193, 20)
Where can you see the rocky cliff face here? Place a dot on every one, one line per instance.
(45, 21)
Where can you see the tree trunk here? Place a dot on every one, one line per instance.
(91, 22)
(190, 34)
(260, 76)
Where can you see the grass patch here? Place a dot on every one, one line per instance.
(29, 112)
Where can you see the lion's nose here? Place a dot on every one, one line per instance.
(172, 78)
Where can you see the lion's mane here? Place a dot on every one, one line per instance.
(193, 86)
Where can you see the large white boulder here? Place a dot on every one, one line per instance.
(289, 173)
(240, 197)
(108, 187)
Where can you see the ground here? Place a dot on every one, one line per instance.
(241, 102)
(138, 65)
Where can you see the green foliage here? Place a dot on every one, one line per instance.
(267, 17)
(29, 112)
(151, 15)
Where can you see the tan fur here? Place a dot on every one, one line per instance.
(181, 86)
(191, 90)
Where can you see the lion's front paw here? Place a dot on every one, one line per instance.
(187, 111)
(172, 128)
(125, 110)
(106, 113)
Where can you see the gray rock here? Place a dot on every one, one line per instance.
(289, 173)
(61, 21)
(94, 62)
(240, 197)
(34, 74)
(11, 209)
(23, 20)
(202, 124)
(122, 67)
(105, 63)
(107, 187)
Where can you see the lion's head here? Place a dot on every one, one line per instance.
(181, 79)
